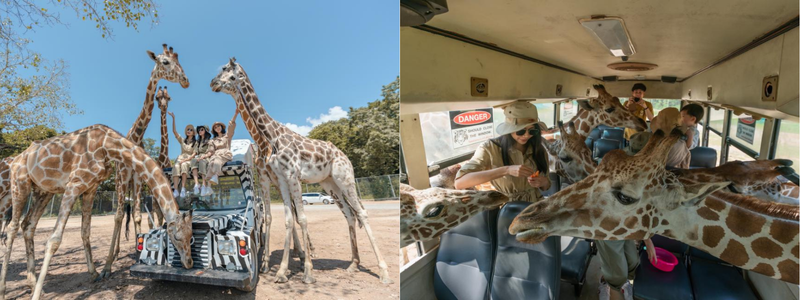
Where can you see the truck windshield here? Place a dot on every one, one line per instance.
(228, 194)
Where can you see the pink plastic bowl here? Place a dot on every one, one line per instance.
(666, 260)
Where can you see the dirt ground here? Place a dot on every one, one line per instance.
(68, 278)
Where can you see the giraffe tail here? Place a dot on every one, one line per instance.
(127, 220)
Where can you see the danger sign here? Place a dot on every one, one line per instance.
(471, 127)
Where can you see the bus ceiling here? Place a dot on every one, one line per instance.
(538, 50)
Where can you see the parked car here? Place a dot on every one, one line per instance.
(313, 198)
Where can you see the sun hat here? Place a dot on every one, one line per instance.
(518, 116)
(208, 132)
(220, 124)
(189, 126)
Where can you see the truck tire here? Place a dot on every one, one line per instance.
(254, 263)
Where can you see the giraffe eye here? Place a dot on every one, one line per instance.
(166, 62)
(610, 110)
(625, 200)
(434, 211)
(565, 159)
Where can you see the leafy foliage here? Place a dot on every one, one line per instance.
(18, 141)
(370, 136)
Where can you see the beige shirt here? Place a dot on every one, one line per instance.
(489, 156)
(186, 150)
(639, 112)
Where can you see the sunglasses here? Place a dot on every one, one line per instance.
(189, 130)
(532, 132)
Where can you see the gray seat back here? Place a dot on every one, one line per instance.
(465, 259)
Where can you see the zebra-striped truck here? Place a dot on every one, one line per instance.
(227, 240)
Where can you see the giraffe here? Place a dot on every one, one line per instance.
(166, 67)
(635, 197)
(163, 99)
(426, 214)
(766, 187)
(572, 157)
(75, 163)
(297, 159)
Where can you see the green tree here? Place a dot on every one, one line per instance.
(34, 90)
(19, 140)
(370, 136)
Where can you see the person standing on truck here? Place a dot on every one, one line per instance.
(183, 163)
(515, 162)
(219, 152)
(638, 106)
(200, 149)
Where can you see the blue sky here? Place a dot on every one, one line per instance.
(309, 61)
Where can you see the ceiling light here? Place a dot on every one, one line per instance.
(612, 33)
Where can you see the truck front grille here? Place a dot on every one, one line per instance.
(200, 250)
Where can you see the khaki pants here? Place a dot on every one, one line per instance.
(620, 260)
(201, 165)
(181, 169)
(215, 164)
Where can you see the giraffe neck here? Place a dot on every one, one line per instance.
(136, 133)
(259, 138)
(147, 171)
(163, 155)
(723, 226)
(265, 124)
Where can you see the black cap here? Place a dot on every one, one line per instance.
(639, 86)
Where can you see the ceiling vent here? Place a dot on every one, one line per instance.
(632, 66)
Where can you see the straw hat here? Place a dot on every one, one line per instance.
(518, 116)
(190, 126)
(220, 124)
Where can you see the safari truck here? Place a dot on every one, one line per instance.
(734, 58)
(228, 237)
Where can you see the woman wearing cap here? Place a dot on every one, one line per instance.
(200, 149)
(219, 152)
(510, 160)
(183, 163)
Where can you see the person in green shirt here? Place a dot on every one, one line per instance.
(509, 160)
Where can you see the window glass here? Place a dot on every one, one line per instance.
(700, 129)
(717, 117)
(757, 134)
(789, 143)
(408, 254)
(437, 139)
(715, 142)
(736, 154)
(658, 104)
(569, 110)
(546, 113)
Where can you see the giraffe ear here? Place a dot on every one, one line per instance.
(694, 192)
(152, 55)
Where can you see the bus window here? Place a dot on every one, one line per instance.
(715, 142)
(736, 154)
(659, 104)
(759, 131)
(409, 254)
(788, 143)
(568, 110)
(437, 139)
(546, 113)
(717, 117)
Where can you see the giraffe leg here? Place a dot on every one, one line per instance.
(349, 215)
(35, 213)
(5, 210)
(86, 229)
(298, 247)
(159, 214)
(263, 179)
(70, 195)
(346, 182)
(121, 187)
(20, 194)
(280, 275)
(137, 209)
(295, 192)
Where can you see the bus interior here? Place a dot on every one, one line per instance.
(737, 59)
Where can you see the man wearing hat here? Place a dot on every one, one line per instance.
(515, 162)
(638, 106)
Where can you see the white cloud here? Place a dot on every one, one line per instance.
(334, 113)
(302, 130)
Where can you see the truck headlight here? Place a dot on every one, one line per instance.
(226, 247)
(153, 244)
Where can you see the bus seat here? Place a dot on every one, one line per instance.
(596, 133)
(589, 142)
(603, 146)
(576, 254)
(652, 283)
(711, 280)
(614, 134)
(697, 253)
(670, 245)
(521, 270)
(461, 274)
(703, 157)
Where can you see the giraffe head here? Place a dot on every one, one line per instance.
(229, 78)
(426, 214)
(625, 198)
(179, 231)
(572, 155)
(607, 110)
(167, 66)
(163, 98)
